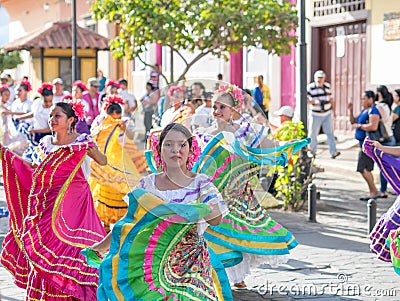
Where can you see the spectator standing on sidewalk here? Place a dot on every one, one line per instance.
(149, 103)
(129, 98)
(384, 101)
(59, 93)
(322, 107)
(396, 116)
(102, 80)
(367, 121)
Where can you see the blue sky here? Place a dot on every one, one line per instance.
(4, 23)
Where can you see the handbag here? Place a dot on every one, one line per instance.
(381, 135)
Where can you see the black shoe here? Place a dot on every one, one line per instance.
(335, 154)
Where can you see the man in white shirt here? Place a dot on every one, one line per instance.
(201, 117)
(322, 111)
(58, 90)
(129, 98)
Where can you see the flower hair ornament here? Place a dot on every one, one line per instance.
(45, 86)
(3, 88)
(234, 91)
(77, 106)
(160, 164)
(174, 89)
(80, 84)
(27, 84)
(67, 98)
(108, 100)
(111, 82)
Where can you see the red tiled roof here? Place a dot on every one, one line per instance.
(59, 35)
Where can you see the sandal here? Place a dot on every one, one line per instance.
(370, 197)
(240, 285)
(383, 196)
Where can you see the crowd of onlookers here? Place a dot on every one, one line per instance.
(29, 109)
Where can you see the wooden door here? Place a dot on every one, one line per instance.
(342, 55)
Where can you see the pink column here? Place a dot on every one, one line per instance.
(236, 62)
(159, 55)
(288, 76)
(288, 79)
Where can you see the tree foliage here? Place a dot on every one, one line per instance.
(9, 60)
(218, 27)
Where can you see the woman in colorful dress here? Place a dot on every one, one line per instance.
(52, 214)
(78, 88)
(110, 183)
(389, 166)
(247, 232)
(160, 240)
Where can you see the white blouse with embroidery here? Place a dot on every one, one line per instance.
(45, 147)
(201, 190)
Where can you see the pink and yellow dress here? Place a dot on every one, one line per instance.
(52, 218)
(110, 183)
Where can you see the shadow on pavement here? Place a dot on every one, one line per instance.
(252, 295)
(4, 298)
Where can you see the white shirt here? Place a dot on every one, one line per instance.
(387, 121)
(45, 147)
(200, 188)
(57, 99)
(21, 107)
(40, 115)
(12, 92)
(201, 116)
(128, 98)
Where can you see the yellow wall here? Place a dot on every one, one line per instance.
(68, 52)
(88, 69)
(384, 54)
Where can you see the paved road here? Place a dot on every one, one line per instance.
(332, 261)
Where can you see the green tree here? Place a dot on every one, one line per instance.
(9, 60)
(218, 27)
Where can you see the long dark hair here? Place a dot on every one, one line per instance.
(67, 110)
(387, 96)
(397, 92)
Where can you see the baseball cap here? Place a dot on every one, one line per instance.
(4, 75)
(58, 81)
(93, 81)
(319, 73)
(285, 110)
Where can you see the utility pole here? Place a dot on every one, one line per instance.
(74, 51)
(303, 66)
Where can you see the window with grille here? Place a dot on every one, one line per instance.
(332, 7)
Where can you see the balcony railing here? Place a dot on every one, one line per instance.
(332, 7)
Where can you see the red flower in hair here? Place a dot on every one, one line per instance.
(77, 106)
(48, 86)
(67, 98)
(27, 84)
(111, 82)
(109, 99)
(3, 88)
(175, 88)
(80, 84)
